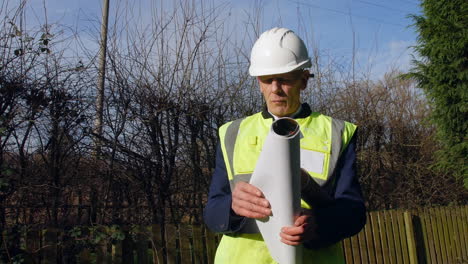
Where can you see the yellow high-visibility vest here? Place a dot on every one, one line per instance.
(324, 139)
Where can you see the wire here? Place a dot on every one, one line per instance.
(416, 2)
(382, 6)
(346, 13)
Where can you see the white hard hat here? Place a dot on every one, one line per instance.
(278, 50)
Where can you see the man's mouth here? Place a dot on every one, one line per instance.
(278, 101)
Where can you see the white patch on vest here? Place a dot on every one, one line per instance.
(312, 161)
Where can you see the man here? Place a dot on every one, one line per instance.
(333, 206)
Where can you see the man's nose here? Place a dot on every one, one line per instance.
(275, 86)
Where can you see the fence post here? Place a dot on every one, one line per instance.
(410, 236)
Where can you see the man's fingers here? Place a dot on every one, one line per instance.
(250, 209)
(300, 220)
(303, 229)
(290, 239)
(248, 200)
(250, 214)
(291, 243)
(293, 231)
(251, 199)
(248, 188)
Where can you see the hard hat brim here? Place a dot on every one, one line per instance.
(270, 71)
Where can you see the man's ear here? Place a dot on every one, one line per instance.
(305, 78)
(259, 85)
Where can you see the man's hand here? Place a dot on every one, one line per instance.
(304, 229)
(249, 201)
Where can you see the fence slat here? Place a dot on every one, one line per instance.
(371, 251)
(347, 249)
(450, 233)
(424, 251)
(210, 245)
(464, 228)
(157, 244)
(413, 257)
(420, 236)
(396, 236)
(185, 238)
(455, 232)
(383, 236)
(376, 237)
(198, 244)
(442, 235)
(436, 254)
(457, 240)
(363, 246)
(390, 238)
(355, 249)
(403, 237)
(447, 234)
(171, 243)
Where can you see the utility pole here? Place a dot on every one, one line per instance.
(101, 79)
(97, 130)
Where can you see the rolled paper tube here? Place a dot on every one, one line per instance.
(278, 175)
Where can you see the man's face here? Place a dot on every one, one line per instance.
(282, 91)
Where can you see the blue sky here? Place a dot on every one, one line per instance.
(380, 28)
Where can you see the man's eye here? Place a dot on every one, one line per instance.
(279, 80)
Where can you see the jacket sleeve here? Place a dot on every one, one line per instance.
(345, 216)
(218, 215)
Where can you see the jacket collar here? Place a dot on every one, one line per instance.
(305, 112)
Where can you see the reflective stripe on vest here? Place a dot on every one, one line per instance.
(337, 141)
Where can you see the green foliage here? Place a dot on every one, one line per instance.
(116, 233)
(5, 183)
(442, 72)
(93, 235)
(18, 259)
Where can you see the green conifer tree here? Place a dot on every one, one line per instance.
(442, 72)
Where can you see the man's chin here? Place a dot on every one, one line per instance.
(279, 113)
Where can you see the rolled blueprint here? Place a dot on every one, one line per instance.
(278, 175)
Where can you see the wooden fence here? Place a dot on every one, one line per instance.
(431, 235)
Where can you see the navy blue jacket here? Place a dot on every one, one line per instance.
(344, 217)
